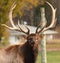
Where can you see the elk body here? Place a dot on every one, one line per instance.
(28, 51)
(23, 53)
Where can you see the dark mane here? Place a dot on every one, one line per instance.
(30, 53)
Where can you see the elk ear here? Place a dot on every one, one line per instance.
(41, 36)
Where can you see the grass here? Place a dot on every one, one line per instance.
(52, 57)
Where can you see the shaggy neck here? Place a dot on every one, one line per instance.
(30, 53)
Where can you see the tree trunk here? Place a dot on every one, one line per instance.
(43, 42)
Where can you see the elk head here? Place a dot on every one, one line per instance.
(36, 37)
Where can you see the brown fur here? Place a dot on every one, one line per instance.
(24, 53)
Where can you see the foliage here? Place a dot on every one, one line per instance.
(3, 16)
(4, 42)
(27, 4)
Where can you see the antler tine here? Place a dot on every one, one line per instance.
(41, 28)
(13, 6)
(10, 15)
(28, 30)
(53, 23)
(7, 26)
(22, 29)
(37, 28)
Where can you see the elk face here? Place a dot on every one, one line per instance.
(34, 38)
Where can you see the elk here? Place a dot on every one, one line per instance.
(28, 51)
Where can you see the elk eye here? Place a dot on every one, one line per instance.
(30, 40)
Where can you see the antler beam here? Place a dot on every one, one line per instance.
(53, 22)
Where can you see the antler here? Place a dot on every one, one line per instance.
(53, 22)
(12, 23)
